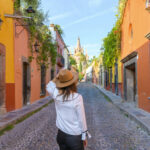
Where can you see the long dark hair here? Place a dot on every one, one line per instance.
(66, 91)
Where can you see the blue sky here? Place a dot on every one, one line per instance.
(91, 20)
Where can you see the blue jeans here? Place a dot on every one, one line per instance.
(69, 142)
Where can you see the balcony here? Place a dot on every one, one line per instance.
(60, 61)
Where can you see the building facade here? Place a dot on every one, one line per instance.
(62, 50)
(135, 53)
(66, 57)
(101, 71)
(30, 77)
(22, 82)
(113, 78)
(7, 78)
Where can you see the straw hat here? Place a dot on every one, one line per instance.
(65, 78)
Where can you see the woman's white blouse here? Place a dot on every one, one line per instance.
(70, 114)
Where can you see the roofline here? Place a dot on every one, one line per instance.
(124, 12)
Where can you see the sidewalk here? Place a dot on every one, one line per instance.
(13, 116)
(138, 115)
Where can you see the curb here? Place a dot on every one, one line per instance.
(12, 117)
(134, 118)
(143, 122)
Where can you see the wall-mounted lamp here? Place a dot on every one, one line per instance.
(30, 10)
(36, 45)
(1, 21)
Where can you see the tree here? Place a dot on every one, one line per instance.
(72, 61)
(38, 31)
(80, 67)
(112, 43)
(59, 29)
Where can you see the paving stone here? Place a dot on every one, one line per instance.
(110, 129)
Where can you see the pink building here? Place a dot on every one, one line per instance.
(60, 49)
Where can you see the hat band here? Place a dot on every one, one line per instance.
(67, 80)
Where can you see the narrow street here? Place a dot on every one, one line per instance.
(110, 129)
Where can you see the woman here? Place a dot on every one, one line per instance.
(70, 121)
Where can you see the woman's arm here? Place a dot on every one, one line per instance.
(50, 87)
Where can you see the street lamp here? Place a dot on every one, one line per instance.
(30, 10)
(36, 45)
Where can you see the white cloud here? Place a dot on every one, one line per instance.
(61, 16)
(89, 17)
(94, 3)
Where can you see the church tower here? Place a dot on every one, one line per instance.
(78, 45)
(78, 48)
(87, 57)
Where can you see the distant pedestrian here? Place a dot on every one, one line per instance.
(71, 120)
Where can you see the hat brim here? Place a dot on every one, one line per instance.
(65, 84)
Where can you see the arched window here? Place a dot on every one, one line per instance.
(130, 32)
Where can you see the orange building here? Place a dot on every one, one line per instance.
(21, 82)
(30, 78)
(135, 53)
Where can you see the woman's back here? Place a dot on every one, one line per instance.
(69, 111)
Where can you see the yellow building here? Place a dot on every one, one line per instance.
(6, 55)
(101, 71)
(117, 77)
(111, 78)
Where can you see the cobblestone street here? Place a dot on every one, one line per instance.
(110, 129)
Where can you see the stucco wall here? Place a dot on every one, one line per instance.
(22, 50)
(137, 16)
(7, 39)
(135, 26)
(143, 77)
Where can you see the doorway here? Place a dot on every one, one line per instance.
(52, 73)
(116, 77)
(2, 78)
(131, 83)
(26, 83)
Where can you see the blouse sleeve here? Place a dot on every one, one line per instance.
(81, 115)
(50, 87)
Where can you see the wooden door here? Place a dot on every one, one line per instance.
(26, 83)
(2, 75)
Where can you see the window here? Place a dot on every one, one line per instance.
(52, 73)
(43, 80)
(130, 32)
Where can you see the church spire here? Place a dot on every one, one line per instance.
(78, 44)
